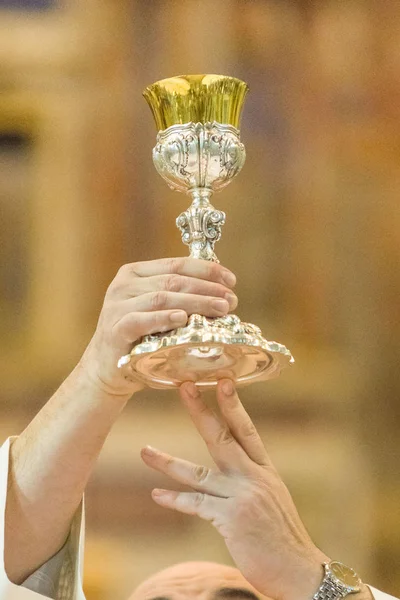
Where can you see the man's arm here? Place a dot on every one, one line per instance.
(53, 458)
(245, 499)
(50, 464)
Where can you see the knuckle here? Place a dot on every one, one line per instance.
(173, 283)
(134, 268)
(158, 300)
(249, 430)
(201, 474)
(224, 437)
(122, 271)
(111, 289)
(127, 269)
(169, 462)
(117, 285)
(123, 276)
(176, 265)
(213, 271)
(198, 499)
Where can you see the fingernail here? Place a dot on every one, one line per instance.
(227, 388)
(150, 451)
(229, 278)
(159, 492)
(232, 299)
(191, 390)
(160, 495)
(178, 316)
(221, 306)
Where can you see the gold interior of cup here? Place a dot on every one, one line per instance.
(196, 98)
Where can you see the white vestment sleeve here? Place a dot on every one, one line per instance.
(61, 577)
(381, 595)
(45, 580)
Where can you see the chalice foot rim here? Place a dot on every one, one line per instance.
(205, 351)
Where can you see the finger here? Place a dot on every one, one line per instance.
(181, 283)
(240, 424)
(191, 267)
(198, 477)
(136, 324)
(191, 503)
(190, 303)
(224, 449)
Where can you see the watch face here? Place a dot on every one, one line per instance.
(344, 574)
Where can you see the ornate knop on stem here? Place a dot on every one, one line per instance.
(201, 225)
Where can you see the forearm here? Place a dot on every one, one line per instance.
(50, 464)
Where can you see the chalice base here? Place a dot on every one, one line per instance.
(205, 351)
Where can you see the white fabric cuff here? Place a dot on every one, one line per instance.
(45, 580)
(380, 595)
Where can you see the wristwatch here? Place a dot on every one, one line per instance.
(338, 582)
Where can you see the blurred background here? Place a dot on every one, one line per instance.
(312, 234)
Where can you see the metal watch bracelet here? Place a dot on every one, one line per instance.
(329, 590)
(339, 581)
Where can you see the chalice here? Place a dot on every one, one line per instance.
(198, 152)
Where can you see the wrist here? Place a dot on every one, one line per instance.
(98, 390)
(313, 583)
(104, 377)
(305, 578)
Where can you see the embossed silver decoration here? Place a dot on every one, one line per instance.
(215, 345)
(200, 226)
(199, 155)
(199, 158)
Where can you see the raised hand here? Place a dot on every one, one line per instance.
(149, 297)
(244, 498)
